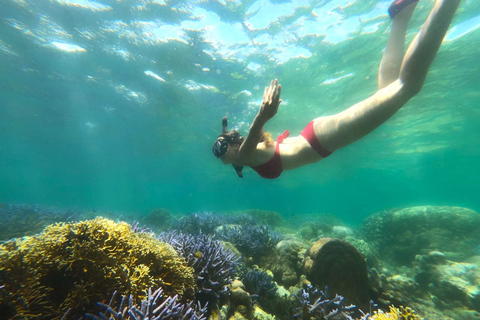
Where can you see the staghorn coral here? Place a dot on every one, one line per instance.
(260, 284)
(315, 304)
(215, 266)
(154, 307)
(254, 241)
(198, 223)
(73, 265)
(207, 222)
(263, 292)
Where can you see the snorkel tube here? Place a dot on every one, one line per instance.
(224, 124)
(238, 169)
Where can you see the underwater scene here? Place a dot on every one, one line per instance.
(112, 205)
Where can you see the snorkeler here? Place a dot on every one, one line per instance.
(400, 77)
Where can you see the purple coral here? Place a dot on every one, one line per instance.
(155, 307)
(214, 265)
(316, 304)
(18, 220)
(198, 223)
(251, 240)
(260, 284)
(207, 222)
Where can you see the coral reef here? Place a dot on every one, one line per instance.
(213, 264)
(315, 304)
(259, 284)
(337, 264)
(423, 257)
(314, 230)
(264, 217)
(451, 285)
(399, 235)
(207, 222)
(73, 265)
(251, 240)
(266, 294)
(158, 219)
(197, 223)
(154, 307)
(286, 262)
(240, 301)
(402, 313)
(18, 220)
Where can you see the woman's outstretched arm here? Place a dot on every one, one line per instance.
(268, 109)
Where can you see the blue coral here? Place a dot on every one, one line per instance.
(259, 284)
(315, 304)
(155, 307)
(18, 220)
(199, 223)
(251, 240)
(207, 222)
(214, 266)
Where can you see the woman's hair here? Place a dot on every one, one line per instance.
(267, 138)
(234, 137)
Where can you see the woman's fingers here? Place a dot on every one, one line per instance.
(272, 92)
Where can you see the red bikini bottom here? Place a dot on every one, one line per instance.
(309, 134)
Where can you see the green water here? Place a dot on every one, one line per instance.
(125, 119)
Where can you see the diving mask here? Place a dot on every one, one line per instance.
(220, 147)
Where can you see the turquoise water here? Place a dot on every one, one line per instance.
(114, 105)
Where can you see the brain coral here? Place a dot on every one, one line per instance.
(74, 265)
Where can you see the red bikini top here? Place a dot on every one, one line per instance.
(273, 168)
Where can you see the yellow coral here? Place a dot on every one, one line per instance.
(402, 313)
(74, 265)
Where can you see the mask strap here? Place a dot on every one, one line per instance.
(238, 169)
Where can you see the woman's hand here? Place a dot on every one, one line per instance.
(271, 101)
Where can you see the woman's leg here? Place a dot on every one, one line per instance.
(337, 131)
(389, 69)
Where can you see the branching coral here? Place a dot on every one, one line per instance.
(207, 222)
(251, 240)
(154, 307)
(315, 304)
(260, 284)
(73, 265)
(18, 220)
(197, 223)
(214, 265)
(270, 218)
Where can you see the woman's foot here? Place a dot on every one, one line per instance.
(397, 6)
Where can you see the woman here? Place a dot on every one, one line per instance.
(400, 78)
